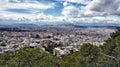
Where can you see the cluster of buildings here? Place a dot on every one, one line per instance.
(69, 40)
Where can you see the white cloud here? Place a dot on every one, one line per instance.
(52, 19)
(65, 3)
(77, 1)
(31, 18)
(96, 19)
(70, 11)
(103, 7)
(30, 5)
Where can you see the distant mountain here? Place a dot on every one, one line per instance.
(25, 24)
(75, 24)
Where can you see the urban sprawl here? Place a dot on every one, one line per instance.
(68, 38)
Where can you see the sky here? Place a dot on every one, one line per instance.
(60, 11)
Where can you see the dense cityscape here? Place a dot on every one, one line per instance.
(65, 39)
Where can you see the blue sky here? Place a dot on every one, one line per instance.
(72, 11)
